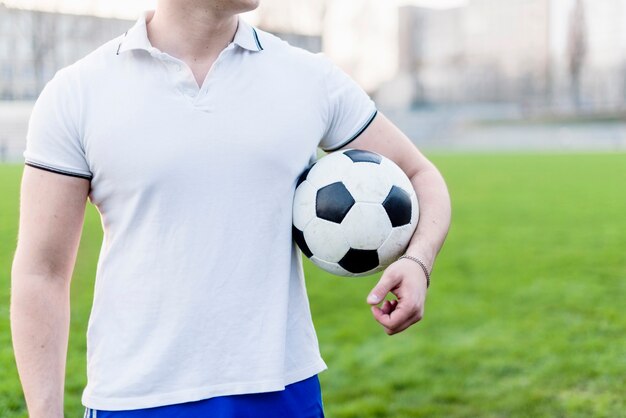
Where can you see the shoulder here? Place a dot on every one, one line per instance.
(91, 65)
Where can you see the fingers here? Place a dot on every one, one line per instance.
(395, 318)
(385, 285)
(389, 306)
(408, 285)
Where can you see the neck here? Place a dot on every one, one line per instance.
(191, 30)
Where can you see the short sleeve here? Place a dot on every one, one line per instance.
(53, 141)
(350, 109)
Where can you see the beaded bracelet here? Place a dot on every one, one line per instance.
(422, 265)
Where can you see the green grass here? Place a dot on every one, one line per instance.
(525, 316)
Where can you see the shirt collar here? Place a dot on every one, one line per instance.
(137, 36)
(247, 37)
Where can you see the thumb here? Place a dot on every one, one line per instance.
(387, 282)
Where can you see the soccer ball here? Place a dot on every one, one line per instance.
(354, 212)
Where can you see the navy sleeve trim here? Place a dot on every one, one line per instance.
(56, 170)
(355, 136)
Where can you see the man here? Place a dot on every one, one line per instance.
(188, 133)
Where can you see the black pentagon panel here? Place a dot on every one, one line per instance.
(333, 202)
(397, 204)
(298, 237)
(361, 156)
(359, 261)
(304, 175)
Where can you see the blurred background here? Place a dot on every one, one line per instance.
(453, 74)
(521, 104)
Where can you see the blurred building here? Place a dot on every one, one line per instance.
(358, 35)
(506, 48)
(557, 54)
(298, 22)
(304, 17)
(602, 76)
(35, 44)
(430, 58)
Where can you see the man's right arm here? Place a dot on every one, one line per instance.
(52, 210)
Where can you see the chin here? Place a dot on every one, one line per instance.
(242, 6)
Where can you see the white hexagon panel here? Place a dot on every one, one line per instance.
(396, 244)
(304, 205)
(330, 169)
(325, 240)
(367, 182)
(397, 176)
(366, 226)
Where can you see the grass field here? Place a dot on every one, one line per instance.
(525, 316)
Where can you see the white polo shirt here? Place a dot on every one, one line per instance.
(199, 288)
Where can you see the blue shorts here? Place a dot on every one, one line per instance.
(299, 400)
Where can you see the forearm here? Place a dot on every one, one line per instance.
(405, 279)
(40, 325)
(434, 220)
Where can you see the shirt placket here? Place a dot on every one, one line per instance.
(184, 79)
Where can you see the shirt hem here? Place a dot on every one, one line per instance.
(191, 395)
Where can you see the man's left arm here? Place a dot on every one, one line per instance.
(405, 278)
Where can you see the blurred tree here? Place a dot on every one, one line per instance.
(577, 49)
(39, 30)
(44, 38)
